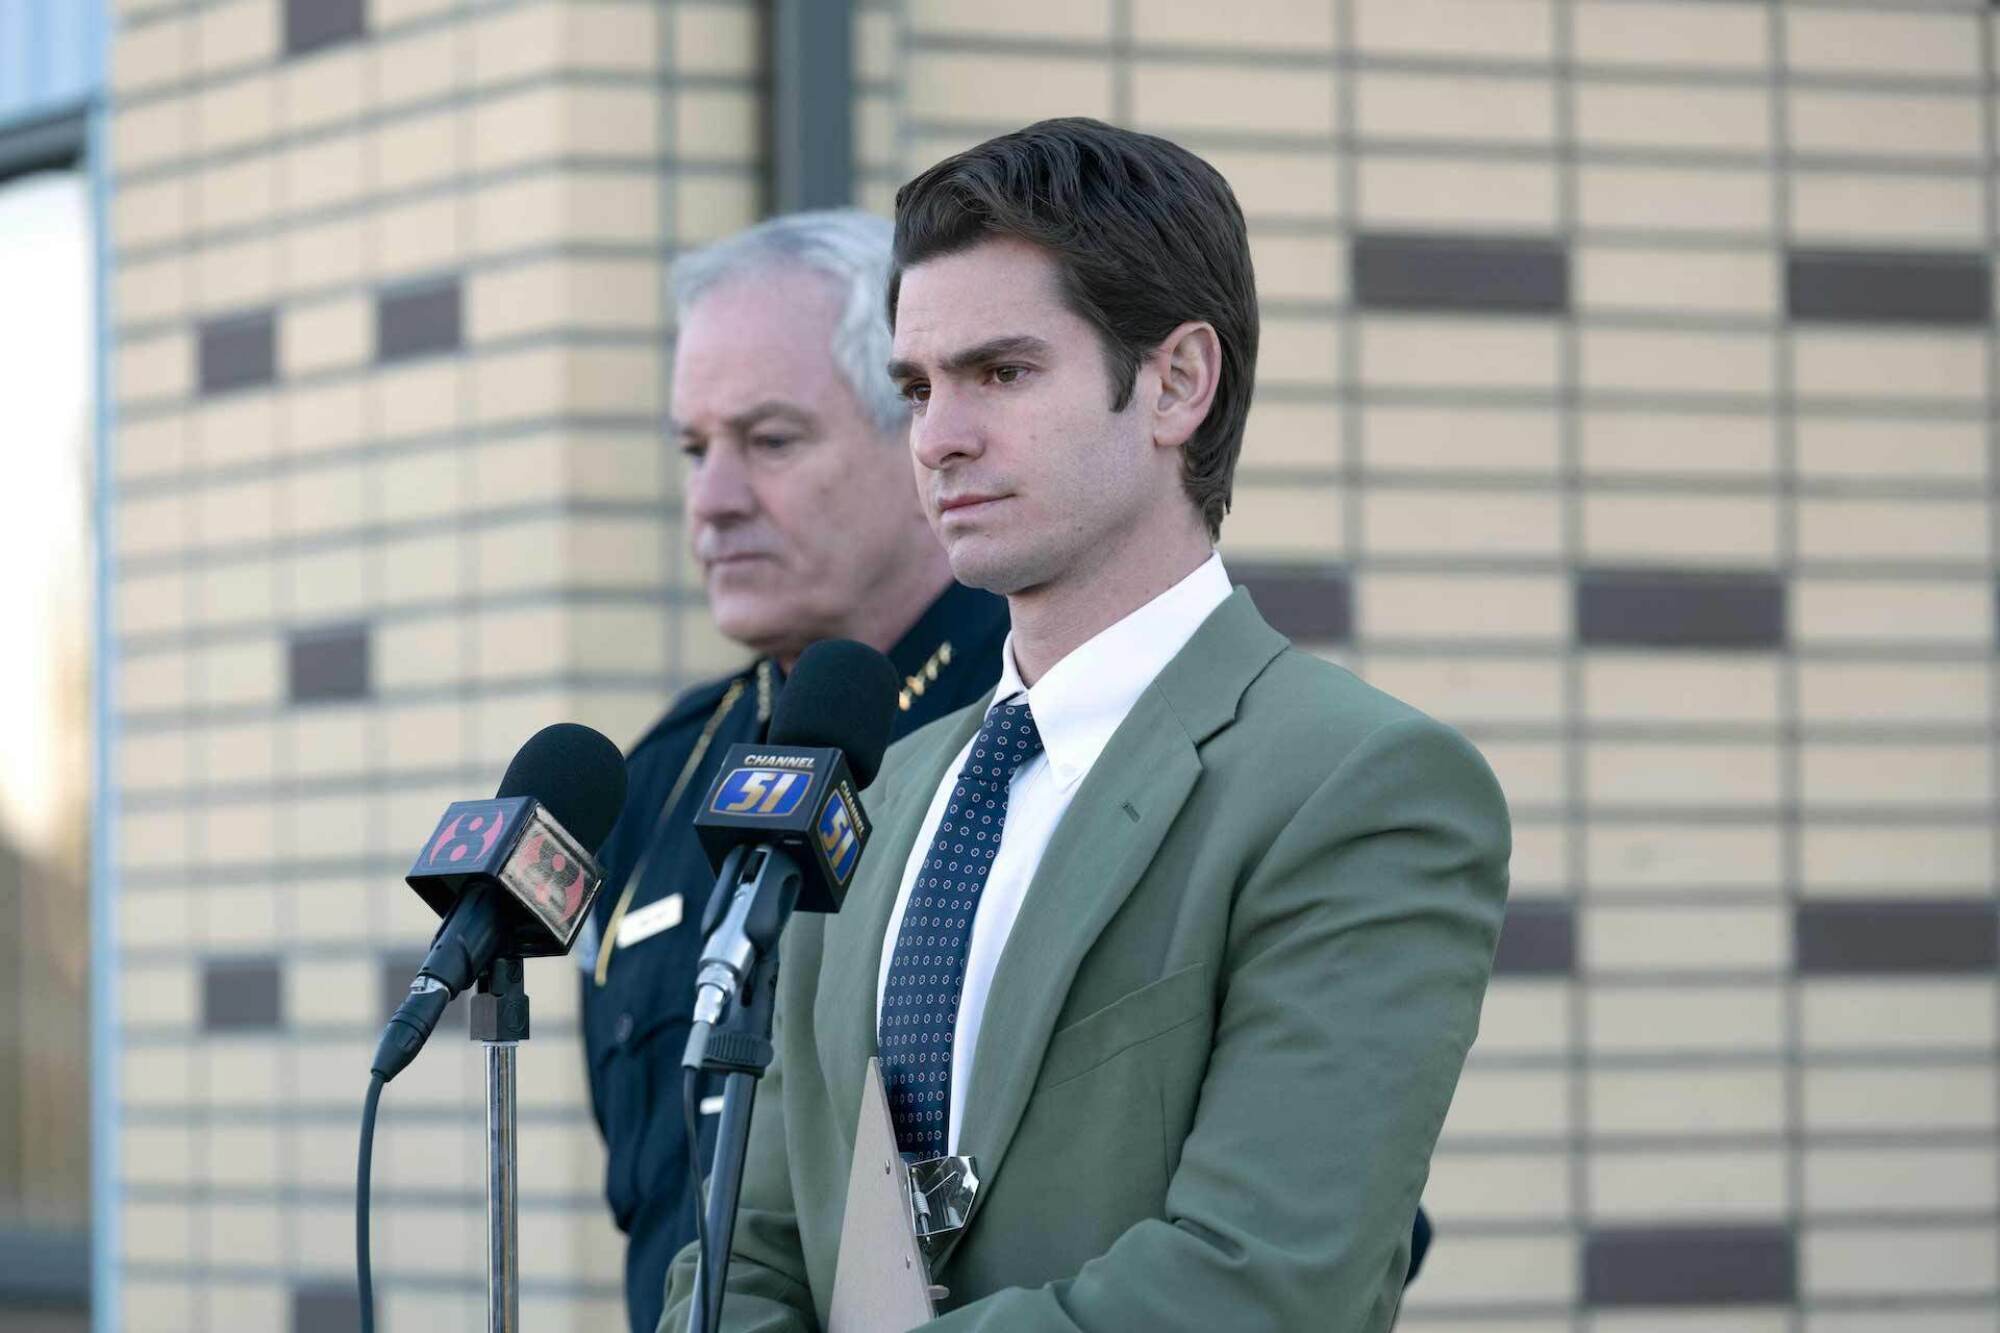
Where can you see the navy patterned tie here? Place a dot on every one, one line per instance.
(927, 970)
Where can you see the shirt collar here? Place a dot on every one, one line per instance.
(1082, 699)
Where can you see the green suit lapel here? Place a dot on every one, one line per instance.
(1098, 853)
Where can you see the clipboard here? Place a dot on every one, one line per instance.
(880, 1282)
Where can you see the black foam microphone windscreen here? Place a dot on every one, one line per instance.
(576, 774)
(840, 695)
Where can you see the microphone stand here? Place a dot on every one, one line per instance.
(500, 1020)
(739, 1047)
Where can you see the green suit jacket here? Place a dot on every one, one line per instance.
(1221, 1039)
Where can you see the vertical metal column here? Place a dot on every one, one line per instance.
(503, 1282)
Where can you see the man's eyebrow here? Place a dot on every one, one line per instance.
(980, 354)
(750, 416)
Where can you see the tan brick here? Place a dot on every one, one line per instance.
(152, 132)
(1513, 29)
(1689, 1185)
(1471, 353)
(1693, 280)
(1433, 192)
(1838, 1099)
(324, 87)
(233, 35)
(1471, 691)
(720, 125)
(1839, 446)
(1685, 687)
(612, 35)
(152, 214)
(321, 502)
(1288, 521)
(1428, 106)
(326, 335)
(1469, 607)
(329, 584)
(1725, 530)
(1706, 36)
(236, 194)
(412, 151)
(240, 428)
(1929, 1013)
(232, 275)
(1666, 774)
(419, 397)
(614, 121)
(161, 366)
(1886, 776)
(1298, 351)
(1878, 123)
(328, 254)
(1851, 611)
(1284, 434)
(1471, 439)
(419, 66)
(1465, 523)
(237, 113)
(517, 43)
(1856, 208)
(1948, 366)
(1638, 443)
(1650, 360)
(1279, 184)
(1673, 199)
(1665, 116)
(1853, 40)
(1912, 692)
(1007, 89)
(417, 238)
(151, 290)
(1667, 939)
(727, 39)
(159, 53)
(1911, 1179)
(1891, 530)
(1192, 98)
(1667, 1019)
(1083, 20)
(325, 416)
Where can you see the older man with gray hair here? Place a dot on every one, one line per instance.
(802, 514)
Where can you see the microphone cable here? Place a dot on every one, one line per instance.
(363, 1269)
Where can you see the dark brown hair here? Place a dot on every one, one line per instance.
(1146, 236)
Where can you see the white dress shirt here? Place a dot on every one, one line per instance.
(1077, 705)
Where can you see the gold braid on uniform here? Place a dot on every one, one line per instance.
(610, 941)
(729, 698)
(914, 686)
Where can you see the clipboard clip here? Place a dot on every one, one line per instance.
(941, 1193)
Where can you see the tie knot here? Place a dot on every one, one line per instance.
(1006, 741)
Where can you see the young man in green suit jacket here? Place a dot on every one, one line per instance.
(1184, 938)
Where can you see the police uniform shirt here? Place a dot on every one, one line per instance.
(638, 987)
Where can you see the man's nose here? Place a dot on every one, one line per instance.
(948, 429)
(718, 487)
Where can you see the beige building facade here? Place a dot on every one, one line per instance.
(1626, 400)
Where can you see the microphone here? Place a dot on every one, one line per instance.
(512, 877)
(783, 824)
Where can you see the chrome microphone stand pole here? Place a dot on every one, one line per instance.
(500, 1021)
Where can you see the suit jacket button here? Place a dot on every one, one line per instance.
(624, 1030)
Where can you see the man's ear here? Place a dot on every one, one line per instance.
(1189, 365)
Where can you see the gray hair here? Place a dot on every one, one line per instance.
(847, 245)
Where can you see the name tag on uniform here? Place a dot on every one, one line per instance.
(649, 921)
